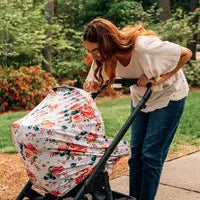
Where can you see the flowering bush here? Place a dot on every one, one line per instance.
(23, 88)
(192, 72)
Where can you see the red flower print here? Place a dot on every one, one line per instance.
(30, 152)
(31, 176)
(88, 111)
(55, 193)
(32, 148)
(78, 118)
(48, 124)
(91, 137)
(57, 170)
(89, 171)
(75, 107)
(79, 179)
(62, 148)
(75, 147)
(52, 107)
(15, 125)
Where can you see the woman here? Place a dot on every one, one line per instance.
(136, 52)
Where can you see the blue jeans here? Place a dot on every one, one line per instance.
(151, 136)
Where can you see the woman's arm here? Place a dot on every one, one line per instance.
(186, 54)
(90, 84)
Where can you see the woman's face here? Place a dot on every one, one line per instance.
(93, 49)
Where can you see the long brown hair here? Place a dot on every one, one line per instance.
(111, 40)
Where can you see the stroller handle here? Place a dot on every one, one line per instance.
(89, 183)
(123, 82)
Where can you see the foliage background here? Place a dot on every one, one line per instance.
(49, 33)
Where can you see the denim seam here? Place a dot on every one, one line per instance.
(178, 111)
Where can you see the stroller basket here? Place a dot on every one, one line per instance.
(96, 185)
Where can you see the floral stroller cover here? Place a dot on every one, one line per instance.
(62, 139)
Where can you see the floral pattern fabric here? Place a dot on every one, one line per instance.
(62, 139)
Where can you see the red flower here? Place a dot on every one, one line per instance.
(88, 111)
(57, 170)
(31, 107)
(5, 104)
(82, 74)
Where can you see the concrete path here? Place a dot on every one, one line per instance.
(180, 180)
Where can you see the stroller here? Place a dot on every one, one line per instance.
(93, 184)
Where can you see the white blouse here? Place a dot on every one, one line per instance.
(152, 57)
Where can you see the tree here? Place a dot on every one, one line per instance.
(49, 12)
(24, 31)
(125, 12)
(194, 4)
(95, 8)
(166, 11)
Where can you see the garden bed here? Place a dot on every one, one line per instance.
(13, 175)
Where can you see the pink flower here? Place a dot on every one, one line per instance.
(75, 107)
(88, 111)
(78, 118)
(57, 170)
(15, 125)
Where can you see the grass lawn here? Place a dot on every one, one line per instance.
(114, 113)
(6, 121)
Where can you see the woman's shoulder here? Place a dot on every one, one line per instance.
(147, 42)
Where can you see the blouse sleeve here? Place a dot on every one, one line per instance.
(157, 57)
(90, 76)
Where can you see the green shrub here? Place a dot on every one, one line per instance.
(25, 34)
(23, 88)
(192, 72)
(125, 12)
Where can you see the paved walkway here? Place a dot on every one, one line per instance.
(180, 179)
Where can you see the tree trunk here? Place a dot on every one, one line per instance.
(194, 4)
(166, 11)
(47, 52)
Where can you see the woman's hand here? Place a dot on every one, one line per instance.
(143, 80)
(91, 86)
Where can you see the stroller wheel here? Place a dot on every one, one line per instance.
(88, 196)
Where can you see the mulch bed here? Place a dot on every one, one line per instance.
(13, 175)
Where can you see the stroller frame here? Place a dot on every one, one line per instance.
(97, 184)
